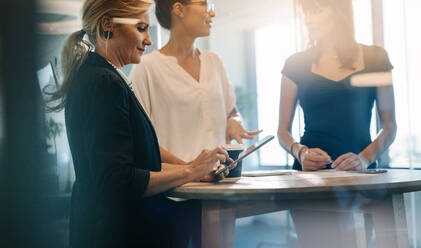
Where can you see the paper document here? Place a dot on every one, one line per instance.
(262, 173)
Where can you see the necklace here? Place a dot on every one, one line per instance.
(121, 73)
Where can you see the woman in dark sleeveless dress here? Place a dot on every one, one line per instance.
(337, 114)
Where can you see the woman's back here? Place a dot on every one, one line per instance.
(113, 147)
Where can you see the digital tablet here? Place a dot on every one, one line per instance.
(249, 151)
(369, 171)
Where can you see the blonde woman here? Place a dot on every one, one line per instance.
(116, 198)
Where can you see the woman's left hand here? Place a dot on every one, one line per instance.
(236, 131)
(211, 176)
(350, 161)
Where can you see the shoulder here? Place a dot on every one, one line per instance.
(153, 57)
(296, 64)
(212, 57)
(299, 58)
(149, 63)
(377, 57)
(149, 60)
(375, 51)
(99, 78)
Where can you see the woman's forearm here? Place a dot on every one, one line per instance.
(287, 107)
(170, 158)
(285, 139)
(384, 139)
(167, 166)
(204, 165)
(386, 108)
(167, 179)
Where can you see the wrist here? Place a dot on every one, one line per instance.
(303, 150)
(296, 150)
(236, 118)
(189, 174)
(292, 146)
(364, 161)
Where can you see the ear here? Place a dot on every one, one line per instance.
(178, 9)
(106, 23)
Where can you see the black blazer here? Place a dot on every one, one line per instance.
(114, 147)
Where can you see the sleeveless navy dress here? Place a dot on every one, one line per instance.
(336, 115)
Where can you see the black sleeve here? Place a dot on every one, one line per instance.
(109, 141)
(381, 59)
(292, 68)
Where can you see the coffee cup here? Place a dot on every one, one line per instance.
(234, 151)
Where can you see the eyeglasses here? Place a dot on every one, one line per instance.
(210, 6)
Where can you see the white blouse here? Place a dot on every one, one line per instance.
(188, 116)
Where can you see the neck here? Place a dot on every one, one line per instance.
(180, 45)
(110, 55)
(327, 46)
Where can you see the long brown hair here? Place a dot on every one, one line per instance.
(76, 48)
(344, 36)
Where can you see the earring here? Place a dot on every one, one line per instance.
(108, 34)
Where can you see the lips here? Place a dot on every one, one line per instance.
(141, 49)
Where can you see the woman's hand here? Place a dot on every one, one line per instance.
(211, 176)
(236, 131)
(208, 162)
(350, 161)
(314, 159)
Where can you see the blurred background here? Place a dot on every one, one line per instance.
(253, 39)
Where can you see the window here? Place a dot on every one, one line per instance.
(402, 39)
(272, 49)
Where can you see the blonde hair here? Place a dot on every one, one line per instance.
(76, 48)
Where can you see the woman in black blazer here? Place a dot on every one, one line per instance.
(116, 199)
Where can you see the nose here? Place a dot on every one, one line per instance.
(147, 41)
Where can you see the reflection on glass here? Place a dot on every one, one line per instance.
(402, 39)
(58, 147)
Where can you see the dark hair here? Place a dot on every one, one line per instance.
(344, 36)
(163, 9)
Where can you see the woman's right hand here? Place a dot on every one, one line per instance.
(313, 159)
(208, 161)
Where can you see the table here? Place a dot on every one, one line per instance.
(323, 201)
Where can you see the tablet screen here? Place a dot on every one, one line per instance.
(249, 151)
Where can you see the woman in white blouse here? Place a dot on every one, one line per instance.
(185, 91)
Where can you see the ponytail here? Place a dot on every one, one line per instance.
(76, 48)
(74, 53)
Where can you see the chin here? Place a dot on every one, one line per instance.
(315, 37)
(136, 60)
(204, 34)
